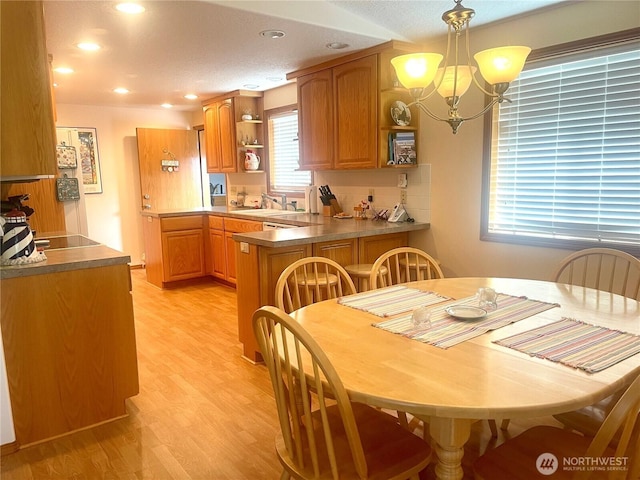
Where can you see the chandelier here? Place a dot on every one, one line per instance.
(498, 66)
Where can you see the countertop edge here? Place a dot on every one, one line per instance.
(65, 260)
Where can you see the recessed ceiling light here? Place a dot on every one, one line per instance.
(274, 79)
(166, 105)
(337, 45)
(272, 33)
(121, 90)
(91, 47)
(63, 70)
(129, 7)
(191, 96)
(251, 86)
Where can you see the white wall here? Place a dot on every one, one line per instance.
(456, 160)
(113, 217)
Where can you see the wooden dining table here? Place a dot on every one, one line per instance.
(476, 379)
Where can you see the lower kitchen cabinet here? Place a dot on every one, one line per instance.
(174, 248)
(260, 267)
(70, 349)
(345, 252)
(192, 246)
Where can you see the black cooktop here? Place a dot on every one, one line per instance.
(68, 241)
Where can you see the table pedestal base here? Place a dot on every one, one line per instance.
(449, 435)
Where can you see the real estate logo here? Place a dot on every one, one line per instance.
(547, 463)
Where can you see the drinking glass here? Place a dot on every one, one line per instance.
(421, 317)
(487, 298)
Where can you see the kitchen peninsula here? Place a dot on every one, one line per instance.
(230, 244)
(69, 338)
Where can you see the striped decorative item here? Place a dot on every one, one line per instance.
(576, 344)
(386, 302)
(446, 331)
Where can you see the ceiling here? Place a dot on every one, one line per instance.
(211, 47)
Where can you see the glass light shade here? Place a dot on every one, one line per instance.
(502, 64)
(416, 70)
(465, 75)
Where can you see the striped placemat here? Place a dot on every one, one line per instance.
(446, 331)
(576, 344)
(386, 302)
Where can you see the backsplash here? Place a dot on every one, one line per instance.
(352, 186)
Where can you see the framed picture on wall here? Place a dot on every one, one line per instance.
(89, 160)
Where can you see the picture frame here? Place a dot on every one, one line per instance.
(89, 160)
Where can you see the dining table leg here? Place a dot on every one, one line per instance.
(449, 435)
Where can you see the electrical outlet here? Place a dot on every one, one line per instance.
(370, 197)
(403, 196)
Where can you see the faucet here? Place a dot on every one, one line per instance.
(282, 201)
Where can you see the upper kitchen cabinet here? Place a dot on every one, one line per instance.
(344, 109)
(28, 149)
(229, 132)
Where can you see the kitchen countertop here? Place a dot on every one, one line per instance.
(67, 258)
(312, 228)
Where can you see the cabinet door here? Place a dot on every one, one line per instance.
(28, 146)
(182, 255)
(315, 120)
(355, 91)
(231, 257)
(227, 128)
(218, 255)
(345, 252)
(212, 139)
(370, 248)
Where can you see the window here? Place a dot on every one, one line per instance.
(563, 167)
(284, 175)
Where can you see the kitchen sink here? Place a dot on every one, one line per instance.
(264, 212)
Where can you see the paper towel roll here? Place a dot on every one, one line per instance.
(311, 199)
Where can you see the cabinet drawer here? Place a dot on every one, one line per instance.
(233, 225)
(181, 223)
(216, 222)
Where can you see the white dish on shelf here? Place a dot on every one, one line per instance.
(465, 312)
(400, 113)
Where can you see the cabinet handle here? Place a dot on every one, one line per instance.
(147, 206)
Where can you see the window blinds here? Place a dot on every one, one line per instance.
(284, 153)
(566, 152)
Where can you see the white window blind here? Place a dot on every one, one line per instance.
(284, 154)
(565, 159)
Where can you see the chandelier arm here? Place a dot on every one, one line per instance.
(488, 107)
(423, 108)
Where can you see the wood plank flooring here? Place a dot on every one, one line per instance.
(202, 413)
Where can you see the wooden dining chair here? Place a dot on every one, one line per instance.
(605, 269)
(403, 264)
(310, 280)
(612, 271)
(328, 436)
(518, 458)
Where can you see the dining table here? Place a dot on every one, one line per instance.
(479, 372)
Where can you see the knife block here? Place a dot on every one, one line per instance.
(331, 210)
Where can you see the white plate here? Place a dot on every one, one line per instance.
(400, 113)
(465, 312)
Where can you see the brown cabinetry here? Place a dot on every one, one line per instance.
(227, 134)
(27, 129)
(220, 139)
(174, 248)
(344, 108)
(260, 267)
(345, 252)
(338, 113)
(70, 350)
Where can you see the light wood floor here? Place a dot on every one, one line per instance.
(202, 413)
